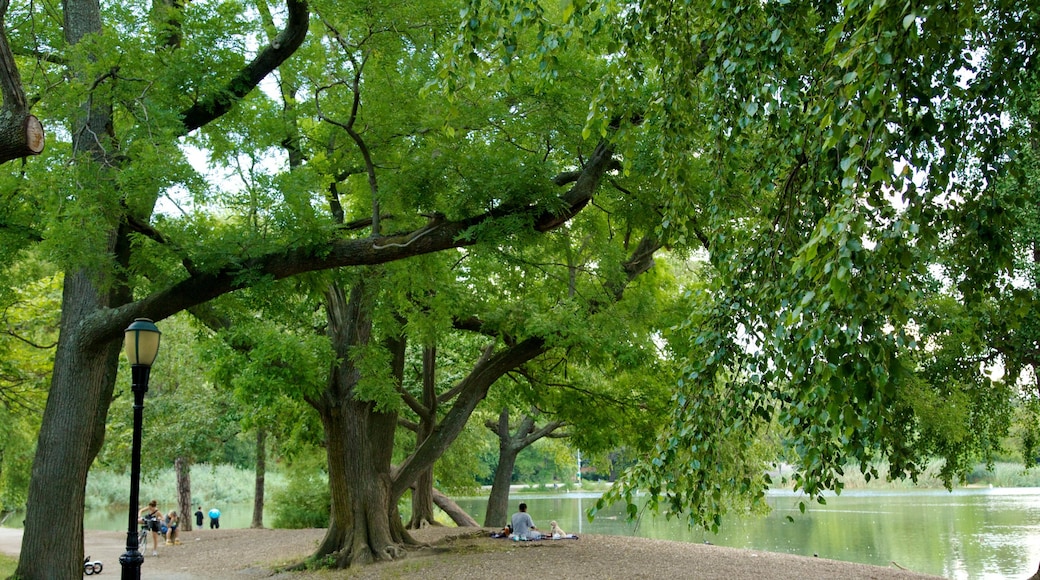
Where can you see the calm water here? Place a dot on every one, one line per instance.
(968, 534)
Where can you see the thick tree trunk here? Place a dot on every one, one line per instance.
(364, 525)
(497, 513)
(261, 472)
(85, 366)
(70, 436)
(360, 527)
(182, 467)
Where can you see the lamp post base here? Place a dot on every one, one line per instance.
(131, 562)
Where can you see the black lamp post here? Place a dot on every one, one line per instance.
(142, 346)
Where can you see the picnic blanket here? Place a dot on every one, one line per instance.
(500, 535)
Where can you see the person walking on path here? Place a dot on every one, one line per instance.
(523, 525)
(214, 519)
(198, 517)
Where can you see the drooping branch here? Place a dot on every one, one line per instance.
(212, 107)
(456, 513)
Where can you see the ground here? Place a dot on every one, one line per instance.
(461, 553)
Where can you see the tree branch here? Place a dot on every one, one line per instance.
(281, 48)
(21, 134)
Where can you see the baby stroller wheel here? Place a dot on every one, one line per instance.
(97, 567)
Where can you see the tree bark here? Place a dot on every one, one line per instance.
(422, 502)
(456, 513)
(509, 447)
(261, 472)
(21, 134)
(85, 365)
(364, 524)
(422, 493)
(497, 513)
(70, 436)
(182, 467)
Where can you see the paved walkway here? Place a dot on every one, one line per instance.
(106, 547)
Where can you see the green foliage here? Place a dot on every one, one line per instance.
(304, 500)
(211, 484)
(457, 471)
(29, 298)
(831, 159)
(859, 175)
(185, 415)
(544, 462)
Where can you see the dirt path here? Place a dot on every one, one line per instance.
(458, 554)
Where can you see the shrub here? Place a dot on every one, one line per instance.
(304, 500)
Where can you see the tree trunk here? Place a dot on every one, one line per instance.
(364, 524)
(422, 502)
(70, 436)
(456, 513)
(509, 447)
(261, 471)
(360, 527)
(497, 513)
(422, 493)
(183, 469)
(85, 365)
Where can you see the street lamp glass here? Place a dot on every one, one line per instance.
(142, 342)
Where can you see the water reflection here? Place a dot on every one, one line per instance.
(967, 534)
(970, 534)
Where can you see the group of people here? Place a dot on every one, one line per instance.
(521, 527)
(152, 518)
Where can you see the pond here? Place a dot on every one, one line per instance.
(967, 534)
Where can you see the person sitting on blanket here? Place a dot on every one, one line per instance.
(523, 525)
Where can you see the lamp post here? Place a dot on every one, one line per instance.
(142, 346)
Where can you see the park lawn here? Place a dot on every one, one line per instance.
(7, 565)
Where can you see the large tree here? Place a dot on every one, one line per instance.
(812, 148)
(136, 89)
(856, 150)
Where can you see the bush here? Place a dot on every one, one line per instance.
(210, 485)
(304, 500)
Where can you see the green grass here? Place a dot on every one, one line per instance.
(7, 566)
